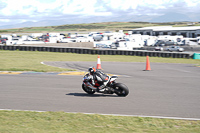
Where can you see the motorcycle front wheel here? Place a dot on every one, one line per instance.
(87, 90)
(121, 89)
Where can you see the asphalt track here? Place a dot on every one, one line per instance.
(168, 90)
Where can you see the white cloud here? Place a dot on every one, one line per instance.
(15, 7)
(31, 7)
(4, 20)
(192, 3)
(26, 7)
(87, 7)
(44, 9)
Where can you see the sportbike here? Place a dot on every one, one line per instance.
(112, 86)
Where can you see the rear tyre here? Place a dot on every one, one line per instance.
(121, 89)
(87, 90)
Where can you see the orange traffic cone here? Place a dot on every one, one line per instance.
(98, 63)
(148, 68)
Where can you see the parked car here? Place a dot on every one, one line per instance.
(3, 40)
(164, 43)
(175, 48)
(158, 48)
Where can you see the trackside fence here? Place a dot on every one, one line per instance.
(99, 51)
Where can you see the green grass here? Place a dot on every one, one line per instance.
(31, 61)
(3, 31)
(61, 122)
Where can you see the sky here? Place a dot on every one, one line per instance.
(19, 11)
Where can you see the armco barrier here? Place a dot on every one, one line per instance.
(99, 51)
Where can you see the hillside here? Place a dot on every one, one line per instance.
(106, 26)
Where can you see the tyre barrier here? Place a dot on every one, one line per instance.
(99, 51)
(186, 48)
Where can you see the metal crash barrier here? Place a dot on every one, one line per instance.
(99, 51)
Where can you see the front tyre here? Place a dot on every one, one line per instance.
(121, 89)
(87, 90)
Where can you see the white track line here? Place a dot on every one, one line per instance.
(49, 65)
(159, 117)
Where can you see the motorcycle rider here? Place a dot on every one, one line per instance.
(97, 77)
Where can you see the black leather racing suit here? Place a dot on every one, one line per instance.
(100, 78)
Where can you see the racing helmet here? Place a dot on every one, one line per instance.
(92, 70)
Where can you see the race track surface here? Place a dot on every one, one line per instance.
(169, 90)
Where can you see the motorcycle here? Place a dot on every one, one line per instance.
(111, 87)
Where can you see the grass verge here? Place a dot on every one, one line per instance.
(31, 61)
(61, 122)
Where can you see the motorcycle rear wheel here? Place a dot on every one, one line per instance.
(87, 90)
(121, 89)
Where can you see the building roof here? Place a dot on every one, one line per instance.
(169, 28)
